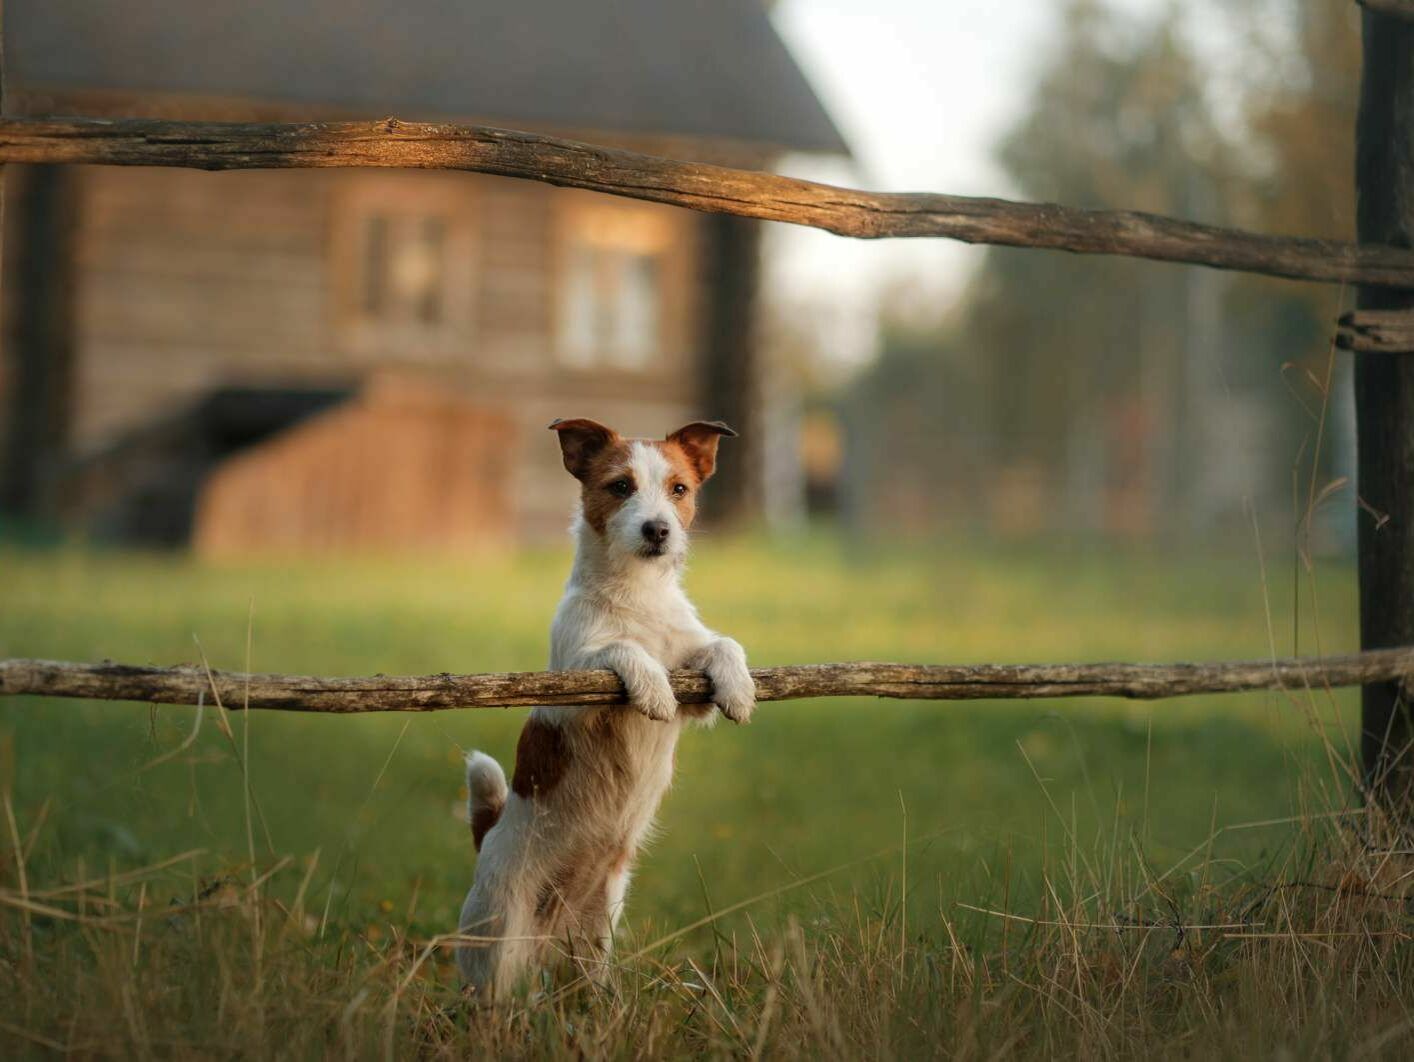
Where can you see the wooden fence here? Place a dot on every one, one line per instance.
(1380, 331)
(933, 682)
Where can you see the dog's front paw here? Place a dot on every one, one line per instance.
(735, 695)
(652, 694)
(733, 689)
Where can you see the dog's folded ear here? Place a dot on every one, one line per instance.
(581, 441)
(699, 441)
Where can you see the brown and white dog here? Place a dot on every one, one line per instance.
(558, 848)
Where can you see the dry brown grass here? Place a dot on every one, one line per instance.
(1307, 956)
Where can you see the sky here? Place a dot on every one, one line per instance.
(922, 91)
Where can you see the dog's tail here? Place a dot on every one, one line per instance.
(485, 794)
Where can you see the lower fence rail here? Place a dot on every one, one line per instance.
(193, 684)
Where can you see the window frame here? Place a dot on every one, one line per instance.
(403, 200)
(617, 235)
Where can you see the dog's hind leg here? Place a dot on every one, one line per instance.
(502, 938)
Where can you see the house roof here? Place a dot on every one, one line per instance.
(701, 68)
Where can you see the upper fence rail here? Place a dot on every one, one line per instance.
(714, 189)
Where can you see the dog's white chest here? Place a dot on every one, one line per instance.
(668, 636)
(663, 624)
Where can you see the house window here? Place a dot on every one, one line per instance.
(611, 291)
(405, 269)
(403, 265)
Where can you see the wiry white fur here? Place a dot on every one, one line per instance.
(627, 612)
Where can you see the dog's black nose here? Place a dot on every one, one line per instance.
(655, 532)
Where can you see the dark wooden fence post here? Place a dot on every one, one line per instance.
(1384, 398)
(37, 342)
(730, 360)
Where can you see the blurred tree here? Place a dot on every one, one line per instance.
(1105, 394)
(1300, 110)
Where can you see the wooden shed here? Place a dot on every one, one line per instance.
(161, 324)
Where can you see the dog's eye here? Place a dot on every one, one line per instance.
(679, 489)
(621, 488)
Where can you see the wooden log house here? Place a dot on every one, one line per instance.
(368, 359)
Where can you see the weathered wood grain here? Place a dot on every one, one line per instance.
(847, 212)
(424, 693)
(1384, 401)
(1377, 332)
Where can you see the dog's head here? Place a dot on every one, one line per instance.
(640, 495)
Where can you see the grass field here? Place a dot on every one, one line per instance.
(835, 850)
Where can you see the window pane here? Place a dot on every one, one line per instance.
(416, 273)
(607, 264)
(433, 241)
(579, 309)
(375, 265)
(636, 320)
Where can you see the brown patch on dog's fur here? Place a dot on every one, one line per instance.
(684, 471)
(482, 819)
(542, 757)
(607, 466)
(580, 441)
(698, 441)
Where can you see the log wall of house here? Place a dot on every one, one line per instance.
(186, 281)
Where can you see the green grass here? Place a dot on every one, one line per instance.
(1023, 806)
